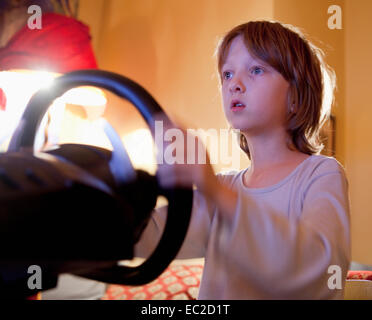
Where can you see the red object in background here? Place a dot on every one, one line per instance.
(61, 45)
(175, 283)
(359, 275)
(35, 297)
(2, 100)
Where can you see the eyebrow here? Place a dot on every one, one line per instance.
(252, 62)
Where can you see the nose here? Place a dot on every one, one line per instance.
(237, 86)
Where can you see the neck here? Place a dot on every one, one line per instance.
(269, 150)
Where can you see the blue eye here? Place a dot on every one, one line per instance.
(257, 70)
(227, 75)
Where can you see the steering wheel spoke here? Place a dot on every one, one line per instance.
(120, 164)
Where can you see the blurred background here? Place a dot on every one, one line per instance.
(168, 47)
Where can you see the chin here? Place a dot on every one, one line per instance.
(240, 125)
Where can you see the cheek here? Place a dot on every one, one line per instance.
(225, 98)
(282, 97)
(277, 98)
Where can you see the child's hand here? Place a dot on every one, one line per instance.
(184, 173)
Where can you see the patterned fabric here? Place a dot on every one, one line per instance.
(359, 275)
(178, 282)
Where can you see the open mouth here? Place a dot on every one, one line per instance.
(237, 105)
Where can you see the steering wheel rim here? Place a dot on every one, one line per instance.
(179, 199)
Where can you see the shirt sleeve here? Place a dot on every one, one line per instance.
(289, 258)
(195, 242)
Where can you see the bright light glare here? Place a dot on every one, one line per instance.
(140, 147)
(82, 131)
(85, 96)
(20, 85)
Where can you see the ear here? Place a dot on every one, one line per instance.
(292, 99)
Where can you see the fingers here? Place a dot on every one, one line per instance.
(181, 155)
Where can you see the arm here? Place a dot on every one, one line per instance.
(196, 239)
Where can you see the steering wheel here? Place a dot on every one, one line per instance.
(179, 199)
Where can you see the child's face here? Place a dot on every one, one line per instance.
(254, 94)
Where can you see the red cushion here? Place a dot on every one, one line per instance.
(178, 282)
(359, 275)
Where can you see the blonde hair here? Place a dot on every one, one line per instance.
(301, 63)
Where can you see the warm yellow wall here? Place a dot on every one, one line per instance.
(91, 12)
(358, 115)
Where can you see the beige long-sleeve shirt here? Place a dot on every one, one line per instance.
(286, 241)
